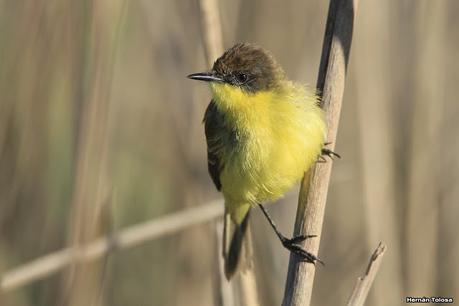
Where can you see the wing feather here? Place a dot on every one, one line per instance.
(214, 124)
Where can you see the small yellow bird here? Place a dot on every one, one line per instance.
(263, 132)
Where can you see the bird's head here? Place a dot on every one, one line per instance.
(245, 66)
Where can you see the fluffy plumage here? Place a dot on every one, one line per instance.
(263, 132)
(264, 141)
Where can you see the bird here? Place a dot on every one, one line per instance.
(263, 132)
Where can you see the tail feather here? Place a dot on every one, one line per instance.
(237, 251)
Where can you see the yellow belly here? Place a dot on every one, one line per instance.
(280, 135)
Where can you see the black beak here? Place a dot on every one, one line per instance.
(205, 76)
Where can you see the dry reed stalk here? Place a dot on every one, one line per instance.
(424, 178)
(124, 239)
(447, 282)
(363, 284)
(213, 48)
(224, 290)
(313, 194)
(90, 213)
(376, 146)
(211, 30)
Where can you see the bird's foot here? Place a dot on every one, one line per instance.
(292, 246)
(327, 152)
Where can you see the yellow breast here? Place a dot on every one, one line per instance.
(280, 135)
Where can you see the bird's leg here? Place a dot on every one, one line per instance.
(292, 244)
(321, 159)
(328, 152)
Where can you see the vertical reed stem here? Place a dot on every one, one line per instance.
(313, 193)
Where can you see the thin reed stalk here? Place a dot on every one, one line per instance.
(127, 238)
(245, 283)
(363, 284)
(313, 193)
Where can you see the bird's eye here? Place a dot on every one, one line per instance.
(241, 77)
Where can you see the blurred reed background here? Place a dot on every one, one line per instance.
(100, 129)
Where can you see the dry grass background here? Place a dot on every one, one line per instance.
(100, 129)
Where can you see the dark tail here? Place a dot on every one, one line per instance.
(237, 251)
